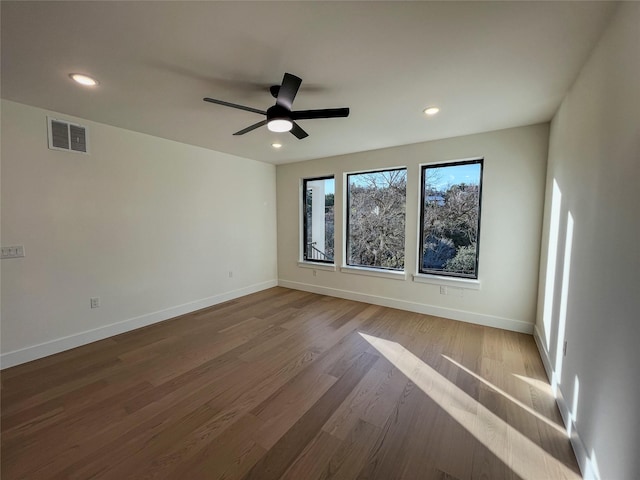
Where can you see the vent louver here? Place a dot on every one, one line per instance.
(67, 136)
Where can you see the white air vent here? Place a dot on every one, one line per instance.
(67, 136)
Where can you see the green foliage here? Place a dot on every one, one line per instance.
(329, 199)
(464, 262)
(451, 219)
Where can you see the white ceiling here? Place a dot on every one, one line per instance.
(487, 65)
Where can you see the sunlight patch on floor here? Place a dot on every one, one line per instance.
(519, 453)
(541, 385)
(511, 398)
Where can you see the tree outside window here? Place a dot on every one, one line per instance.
(376, 219)
(450, 218)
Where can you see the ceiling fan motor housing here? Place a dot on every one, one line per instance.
(278, 112)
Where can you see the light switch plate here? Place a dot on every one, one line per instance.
(16, 251)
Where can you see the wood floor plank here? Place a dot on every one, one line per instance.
(232, 406)
(313, 462)
(228, 456)
(390, 449)
(484, 464)
(353, 452)
(128, 457)
(284, 409)
(424, 459)
(278, 459)
(372, 400)
(288, 384)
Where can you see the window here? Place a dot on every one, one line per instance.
(450, 219)
(376, 218)
(317, 199)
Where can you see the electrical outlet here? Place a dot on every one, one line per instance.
(443, 290)
(315, 273)
(95, 302)
(564, 349)
(230, 274)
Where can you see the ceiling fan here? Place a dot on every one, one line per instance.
(280, 117)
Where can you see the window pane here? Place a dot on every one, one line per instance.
(375, 227)
(318, 219)
(451, 218)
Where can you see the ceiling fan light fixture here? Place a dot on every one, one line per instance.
(280, 125)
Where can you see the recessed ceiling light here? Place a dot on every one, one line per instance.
(431, 110)
(276, 145)
(83, 79)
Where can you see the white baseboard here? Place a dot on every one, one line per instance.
(588, 468)
(461, 315)
(544, 354)
(23, 355)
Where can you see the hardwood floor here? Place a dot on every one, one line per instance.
(288, 384)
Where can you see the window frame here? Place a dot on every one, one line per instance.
(356, 268)
(421, 230)
(304, 220)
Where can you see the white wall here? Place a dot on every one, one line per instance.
(152, 227)
(594, 157)
(512, 208)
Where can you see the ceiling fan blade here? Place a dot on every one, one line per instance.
(288, 90)
(251, 127)
(235, 105)
(298, 131)
(325, 113)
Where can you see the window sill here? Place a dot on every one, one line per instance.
(330, 267)
(374, 272)
(468, 283)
